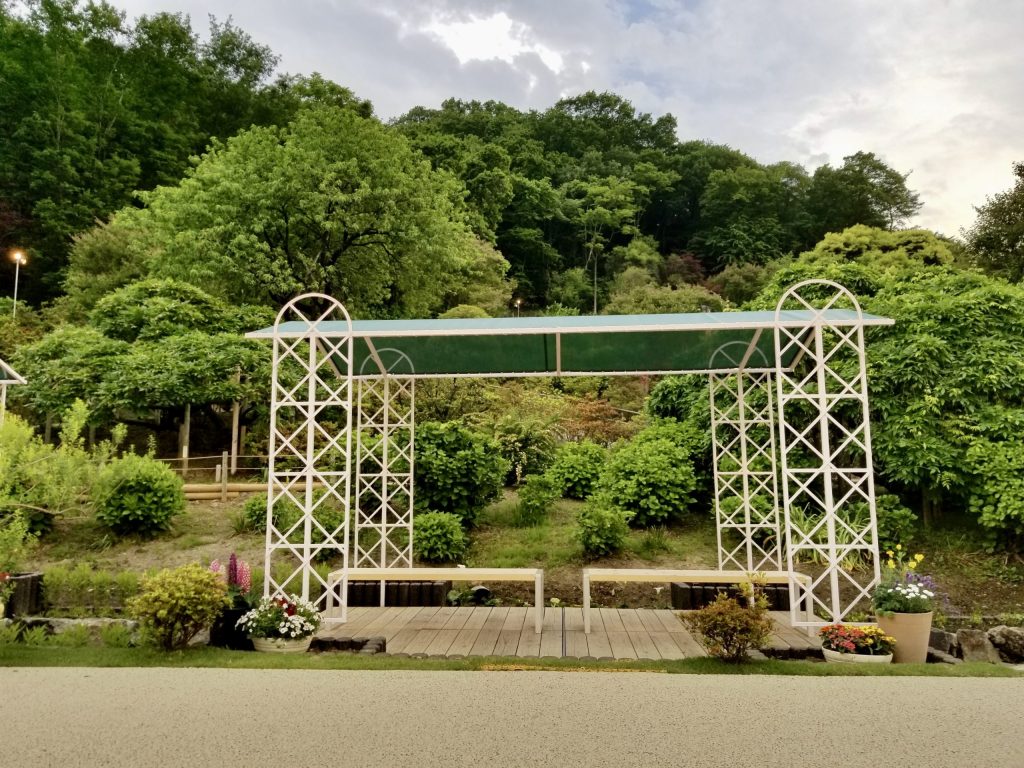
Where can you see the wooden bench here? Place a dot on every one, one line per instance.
(536, 575)
(664, 576)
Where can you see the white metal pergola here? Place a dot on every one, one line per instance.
(789, 408)
(8, 376)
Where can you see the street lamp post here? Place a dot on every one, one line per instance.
(19, 259)
(519, 303)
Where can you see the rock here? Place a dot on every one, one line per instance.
(1009, 642)
(941, 657)
(943, 641)
(975, 646)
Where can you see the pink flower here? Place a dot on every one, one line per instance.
(215, 566)
(244, 577)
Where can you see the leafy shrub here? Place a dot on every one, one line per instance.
(576, 468)
(536, 495)
(526, 446)
(253, 516)
(896, 523)
(438, 537)
(84, 592)
(138, 495)
(15, 542)
(602, 527)
(653, 479)
(176, 604)
(116, 635)
(457, 471)
(730, 629)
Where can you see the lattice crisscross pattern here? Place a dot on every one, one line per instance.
(385, 462)
(825, 450)
(310, 448)
(743, 444)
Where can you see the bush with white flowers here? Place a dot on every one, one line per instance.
(288, 617)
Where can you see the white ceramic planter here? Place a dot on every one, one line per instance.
(835, 657)
(281, 644)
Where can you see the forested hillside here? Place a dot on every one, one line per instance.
(171, 190)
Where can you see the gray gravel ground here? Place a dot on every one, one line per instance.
(283, 718)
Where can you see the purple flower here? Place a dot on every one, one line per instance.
(232, 570)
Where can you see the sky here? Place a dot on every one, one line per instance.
(933, 87)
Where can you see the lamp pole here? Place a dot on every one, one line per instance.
(518, 304)
(19, 259)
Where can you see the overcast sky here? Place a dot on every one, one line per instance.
(934, 87)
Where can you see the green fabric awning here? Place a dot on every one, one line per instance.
(537, 346)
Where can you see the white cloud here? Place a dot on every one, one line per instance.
(935, 87)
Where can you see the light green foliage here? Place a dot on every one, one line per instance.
(602, 527)
(526, 444)
(138, 495)
(438, 537)
(334, 203)
(577, 467)
(176, 604)
(461, 311)
(729, 629)
(653, 476)
(83, 591)
(657, 299)
(116, 635)
(996, 239)
(15, 542)
(536, 497)
(26, 327)
(907, 250)
(457, 470)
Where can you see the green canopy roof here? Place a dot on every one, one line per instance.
(536, 346)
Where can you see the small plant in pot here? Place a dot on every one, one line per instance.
(904, 602)
(281, 624)
(237, 576)
(845, 643)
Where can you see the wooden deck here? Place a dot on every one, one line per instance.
(616, 633)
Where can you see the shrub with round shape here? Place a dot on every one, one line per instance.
(137, 495)
(577, 467)
(729, 629)
(536, 495)
(457, 470)
(653, 479)
(602, 527)
(176, 604)
(438, 537)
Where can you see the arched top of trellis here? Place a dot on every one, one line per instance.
(566, 346)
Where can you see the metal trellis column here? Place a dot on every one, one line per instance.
(310, 448)
(825, 449)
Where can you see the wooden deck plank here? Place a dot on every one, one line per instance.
(574, 619)
(422, 640)
(643, 645)
(650, 621)
(507, 642)
(442, 642)
(669, 620)
(667, 647)
(439, 619)
(459, 618)
(400, 641)
(576, 643)
(400, 622)
(487, 637)
(622, 646)
(380, 618)
(516, 618)
(612, 620)
(552, 620)
(796, 638)
(477, 618)
(630, 621)
(688, 645)
(550, 642)
(465, 639)
(530, 642)
(598, 645)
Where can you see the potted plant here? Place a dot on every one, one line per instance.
(904, 602)
(225, 631)
(848, 644)
(281, 624)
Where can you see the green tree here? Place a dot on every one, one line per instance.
(996, 239)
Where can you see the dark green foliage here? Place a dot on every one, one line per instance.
(577, 467)
(729, 629)
(176, 604)
(438, 537)
(996, 240)
(138, 495)
(457, 470)
(602, 527)
(253, 519)
(526, 445)
(536, 496)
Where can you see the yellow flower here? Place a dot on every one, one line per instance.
(888, 552)
(919, 557)
(891, 564)
(899, 547)
(911, 565)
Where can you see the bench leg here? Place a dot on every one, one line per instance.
(586, 603)
(538, 601)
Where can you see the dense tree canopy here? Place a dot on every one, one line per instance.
(996, 241)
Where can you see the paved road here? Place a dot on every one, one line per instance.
(224, 718)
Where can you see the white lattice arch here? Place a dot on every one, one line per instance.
(826, 468)
(310, 447)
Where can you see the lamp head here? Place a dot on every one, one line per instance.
(18, 257)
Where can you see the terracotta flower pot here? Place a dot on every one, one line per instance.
(835, 657)
(911, 631)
